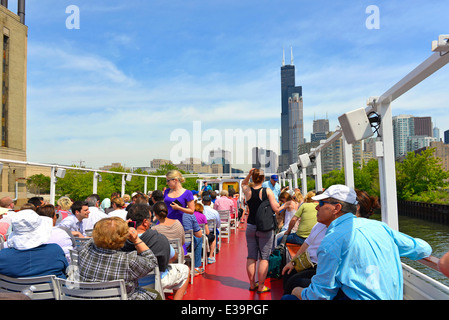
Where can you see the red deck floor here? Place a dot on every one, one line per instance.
(226, 279)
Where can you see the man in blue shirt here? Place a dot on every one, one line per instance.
(358, 258)
(273, 185)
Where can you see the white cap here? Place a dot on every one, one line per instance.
(338, 192)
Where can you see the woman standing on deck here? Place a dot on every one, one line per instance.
(259, 243)
(176, 193)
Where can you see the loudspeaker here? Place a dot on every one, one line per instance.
(355, 125)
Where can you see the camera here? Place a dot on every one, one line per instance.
(132, 224)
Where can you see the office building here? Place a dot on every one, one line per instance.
(264, 159)
(403, 127)
(446, 137)
(221, 158)
(292, 130)
(13, 106)
(423, 126)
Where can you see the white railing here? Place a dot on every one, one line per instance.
(58, 172)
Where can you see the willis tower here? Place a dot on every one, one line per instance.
(292, 127)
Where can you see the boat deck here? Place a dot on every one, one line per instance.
(226, 279)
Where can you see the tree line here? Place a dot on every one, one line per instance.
(419, 177)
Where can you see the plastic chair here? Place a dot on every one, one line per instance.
(177, 245)
(225, 225)
(190, 256)
(212, 224)
(74, 290)
(43, 286)
(157, 284)
(80, 242)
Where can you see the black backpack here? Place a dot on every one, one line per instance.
(265, 216)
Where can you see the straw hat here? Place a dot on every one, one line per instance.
(30, 230)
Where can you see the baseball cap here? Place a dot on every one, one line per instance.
(338, 192)
(274, 177)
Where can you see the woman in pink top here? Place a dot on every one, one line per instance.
(224, 203)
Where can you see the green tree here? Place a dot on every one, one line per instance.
(419, 174)
(39, 183)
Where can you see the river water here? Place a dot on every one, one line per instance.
(437, 235)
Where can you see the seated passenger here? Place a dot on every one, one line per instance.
(27, 253)
(118, 208)
(201, 218)
(102, 260)
(173, 275)
(75, 221)
(358, 259)
(171, 228)
(59, 235)
(189, 222)
(307, 214)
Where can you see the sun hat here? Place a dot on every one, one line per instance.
(338, 192)
(3, 211)
(29, 230)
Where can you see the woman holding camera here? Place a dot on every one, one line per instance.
(177, 199)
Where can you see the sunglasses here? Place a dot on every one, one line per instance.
(322, 202)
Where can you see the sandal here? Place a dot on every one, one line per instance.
(255, 288)
(266, 289)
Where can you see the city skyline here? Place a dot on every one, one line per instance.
(115, 89)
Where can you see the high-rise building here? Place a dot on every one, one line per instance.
(13, 106)
(292, 130)
(423, 126)
(264, 159)
(319, 130)
(436, 133)
(446, 137)
(222, 158)
(403, 128)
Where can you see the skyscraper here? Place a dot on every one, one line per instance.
(403, 127)
(292, 130)
(423, 126)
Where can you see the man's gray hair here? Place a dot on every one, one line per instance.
(345, 206)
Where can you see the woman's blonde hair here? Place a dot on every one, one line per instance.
(309, 195)
(175, 174)
(110, 233)
(118, 201)
(224, 193)
(298, 196)
(199, 207)
(65, 203)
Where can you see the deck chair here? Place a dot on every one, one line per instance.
(212, 224)
(225, 225)
(80, 242)
(156, 284)
(190, 256)
(234, 225)
(74, 290)
(44, 289)
(177, 245)
(205, 246)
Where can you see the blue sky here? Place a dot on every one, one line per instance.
(137, 72)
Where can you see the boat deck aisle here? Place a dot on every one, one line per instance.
(226, 279)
